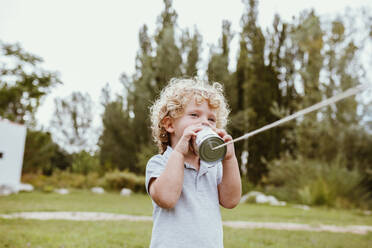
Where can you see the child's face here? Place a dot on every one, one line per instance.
(194, 114)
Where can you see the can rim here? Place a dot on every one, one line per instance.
(207, 154)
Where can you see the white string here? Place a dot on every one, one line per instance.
(336, 98)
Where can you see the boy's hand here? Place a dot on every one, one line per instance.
(189, 134)
(230, 152)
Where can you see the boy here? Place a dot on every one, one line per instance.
(185, 190)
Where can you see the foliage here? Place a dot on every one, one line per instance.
(278, 71)
(117, 180)
(62, 179)
(258, 90)
(39, 152)
(61, 159)
(117, 142)
(191, 46)
(217, 70)
(126, 136)
(72, 121)
(23, 83)
(289, 67)
(85, 163)
(315, 182)
(42, 155)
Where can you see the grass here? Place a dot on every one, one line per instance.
(77, 200)
(139, 204)
(59, 233)
(314, 216)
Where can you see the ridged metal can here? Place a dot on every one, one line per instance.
(205, 140)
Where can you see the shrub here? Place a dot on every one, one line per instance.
(84, 163)
(36, 180)
(62, 179)
(317, 183)
(117, 180)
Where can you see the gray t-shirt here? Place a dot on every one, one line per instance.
(195, 221)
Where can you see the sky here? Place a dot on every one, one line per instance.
(92, 42)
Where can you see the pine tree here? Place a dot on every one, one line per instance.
(218, 70)
(261, 92)
(168, 60)
(191, 48)
(117, 142)
(141, 89)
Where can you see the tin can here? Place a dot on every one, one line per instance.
(205, 140)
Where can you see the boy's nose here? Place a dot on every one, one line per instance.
(205, 122)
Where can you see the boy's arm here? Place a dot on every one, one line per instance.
(230, 188)
(166, 189)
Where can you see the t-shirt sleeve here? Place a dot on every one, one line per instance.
(155, 166)
(219, 173)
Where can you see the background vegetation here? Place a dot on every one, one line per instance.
(324, 158)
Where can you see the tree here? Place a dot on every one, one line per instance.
(260, 84)
(23, 83)
(140, 90)
(282, 53)
(218, 66)
(168, 60)
(158, 60)
(191, 47)
(72, 122)
(118, 140)
(39, 152)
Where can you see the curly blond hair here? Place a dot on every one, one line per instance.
(174, 98)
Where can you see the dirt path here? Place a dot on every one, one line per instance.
(94, 216)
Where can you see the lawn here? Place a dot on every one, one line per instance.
(60, 233)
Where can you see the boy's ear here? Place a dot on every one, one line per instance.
(167, 123)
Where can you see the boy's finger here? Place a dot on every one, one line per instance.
(227, 138)
(221, 132)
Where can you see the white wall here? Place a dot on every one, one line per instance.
(12, 143)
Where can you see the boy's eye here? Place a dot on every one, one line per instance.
(194, 114)
(213, 120)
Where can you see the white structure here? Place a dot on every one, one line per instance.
(12, 144)
(97, 190)
(125, 192)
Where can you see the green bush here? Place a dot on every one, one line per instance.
(35, 179)
(84, 163)
(317, 183)
(63, 179)
(117, 180)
